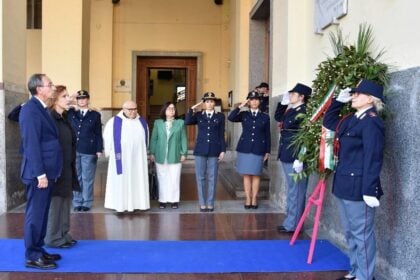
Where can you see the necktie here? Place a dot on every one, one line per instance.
(209, 115)
(254, 114)
(82, 113)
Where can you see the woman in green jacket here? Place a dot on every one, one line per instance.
(168, 148)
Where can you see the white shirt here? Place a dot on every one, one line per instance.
(359, 113)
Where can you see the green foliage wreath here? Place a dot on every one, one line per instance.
(350, 64)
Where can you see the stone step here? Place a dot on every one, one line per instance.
(234, 182)
(228, 176)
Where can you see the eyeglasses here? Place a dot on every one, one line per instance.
(130, 109)
(50, 85)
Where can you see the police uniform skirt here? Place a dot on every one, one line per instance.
(249, 164)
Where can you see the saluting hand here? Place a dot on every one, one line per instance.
(344, 96)
(244, 103)
(196, 105)
(285, 99)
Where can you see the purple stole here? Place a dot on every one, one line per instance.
(117, 140)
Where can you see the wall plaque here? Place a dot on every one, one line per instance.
(328, 12)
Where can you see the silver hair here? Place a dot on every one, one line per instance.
(35, 81)
(378, 104)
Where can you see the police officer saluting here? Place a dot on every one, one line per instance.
(254, 145)
(210, 148)
(88, 128)
(357, 187)
(292, 104)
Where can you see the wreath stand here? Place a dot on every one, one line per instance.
(326, 162)
(316, 198)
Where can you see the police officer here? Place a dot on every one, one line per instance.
(292, 104)
(209, 149)
(357, 187)
(263, 89)
(88, 128)
(254, 145)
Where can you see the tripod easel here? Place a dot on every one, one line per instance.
(317, 197)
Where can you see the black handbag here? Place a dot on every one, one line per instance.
(153, 182)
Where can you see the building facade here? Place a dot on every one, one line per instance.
(228, 47)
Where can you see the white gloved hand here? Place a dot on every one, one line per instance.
(344, 96)
(285, 100)
(298, 166)
(371, 201)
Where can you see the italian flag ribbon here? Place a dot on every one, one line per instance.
(325, 103)
(326, 150)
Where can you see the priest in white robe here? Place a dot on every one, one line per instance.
(125, 143)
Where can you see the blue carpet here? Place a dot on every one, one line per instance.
(111, 256)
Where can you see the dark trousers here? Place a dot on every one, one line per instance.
(58, 222)
(36, 218)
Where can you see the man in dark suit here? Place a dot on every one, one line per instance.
(41, 166)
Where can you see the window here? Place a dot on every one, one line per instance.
(180, 93)
(34, 14)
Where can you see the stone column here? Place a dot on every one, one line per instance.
(62, 42)
(13, 59)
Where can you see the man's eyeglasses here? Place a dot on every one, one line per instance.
(130, 109)
(51, 85)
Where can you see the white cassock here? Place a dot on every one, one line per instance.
(130, 190)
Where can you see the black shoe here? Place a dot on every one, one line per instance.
(162, 205)
(174, 205)
(41, 263)
(68, 244)
(247, 207)
(77, 209)
(203, 209)
(254, 206)
(348, 278)
(210, 209)
(51, 257)
(282, 229)
(84, 208)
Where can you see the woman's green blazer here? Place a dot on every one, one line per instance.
(177, 144)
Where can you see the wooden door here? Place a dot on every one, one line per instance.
(144, 63)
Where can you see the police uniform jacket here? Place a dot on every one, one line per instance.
(88, 131)
(256, 136)
(67, 182)
(211, 133)
(265, 104)
(360, 155)
(289, 127)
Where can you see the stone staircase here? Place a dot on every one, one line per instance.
(234, 182)
(231, 179)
